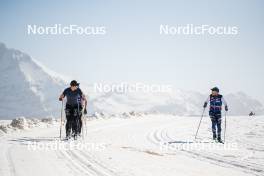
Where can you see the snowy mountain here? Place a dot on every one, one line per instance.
(177, 102)
(242, 104)
(31, 90)
(27, 88)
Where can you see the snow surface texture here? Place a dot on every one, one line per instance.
(138, 147)
(31, 90)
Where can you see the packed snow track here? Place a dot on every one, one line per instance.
(142, 146)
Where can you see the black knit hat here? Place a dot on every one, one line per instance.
(74, 83)
(215, 89)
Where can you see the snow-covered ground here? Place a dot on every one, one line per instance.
(140, 145)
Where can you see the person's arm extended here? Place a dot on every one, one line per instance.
(61, 97)
(225, 104)
(85, 103)
(206, 102)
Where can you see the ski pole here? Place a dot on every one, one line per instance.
(82, 126)
(225, 127)
(199, 124)
(85, 125)
(61, 117)
(80, 118)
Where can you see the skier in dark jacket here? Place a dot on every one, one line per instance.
(73, 108)
(216, 100)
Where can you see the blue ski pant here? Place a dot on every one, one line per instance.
(216, 123)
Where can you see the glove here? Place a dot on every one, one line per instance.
(205, 104)
(60, 99)
(85, 111)
(226, 108)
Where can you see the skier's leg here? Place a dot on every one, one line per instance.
(75, 122)
(213, 119)
(68, 122)
(219, 129)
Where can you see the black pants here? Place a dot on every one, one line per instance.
(216, 124)
(73, 116)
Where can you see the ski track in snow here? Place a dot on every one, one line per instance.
(10, 161)
(161, 135)
(85, 165)
(141, 138)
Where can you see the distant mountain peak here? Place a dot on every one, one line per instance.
(30, 89)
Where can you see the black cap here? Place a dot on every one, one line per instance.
(215, 89)
(74, 83)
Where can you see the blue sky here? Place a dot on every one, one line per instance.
(134, 51)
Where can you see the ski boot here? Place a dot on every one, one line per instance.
(219, 140)
(79, 134)
(75, 136)
(68, 135)
(214, 136)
